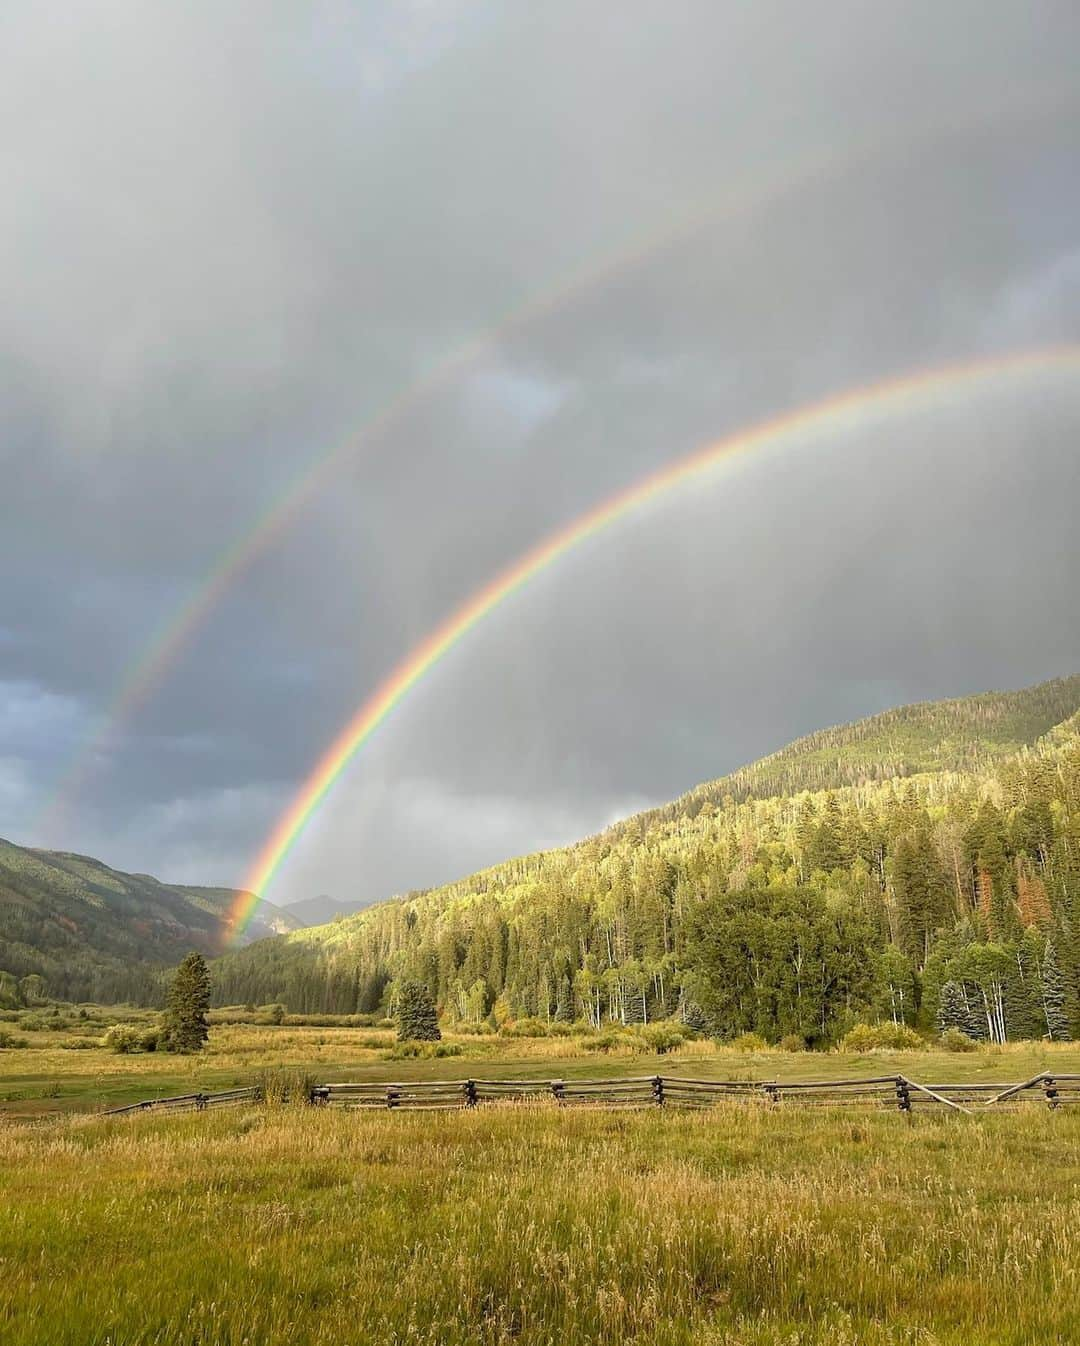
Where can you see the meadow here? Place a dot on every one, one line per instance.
(62, 1067)
(527, 1223)
(534, 1225)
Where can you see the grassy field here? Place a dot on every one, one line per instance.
(528, 1224)
(47, 1077)
(534, 1225)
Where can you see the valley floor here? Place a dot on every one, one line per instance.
(47, 1077)
(533, 1225)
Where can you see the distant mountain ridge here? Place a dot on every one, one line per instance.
(323, 909)
(96, 933)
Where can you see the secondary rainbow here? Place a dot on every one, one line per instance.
(883, 398)
(175, 633)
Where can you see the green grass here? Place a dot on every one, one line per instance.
(535, 1225)
(44, 1079)
(743, 1226)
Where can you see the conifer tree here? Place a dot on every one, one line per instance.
(1053, 996)
(417, 1020)
(186, 1026)
(953, 1010)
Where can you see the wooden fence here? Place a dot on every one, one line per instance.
(641, 1091)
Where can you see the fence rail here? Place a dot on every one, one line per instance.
(642, 1091)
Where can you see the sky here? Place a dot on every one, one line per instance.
(568, 244)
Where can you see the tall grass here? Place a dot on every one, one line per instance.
(535, 1226)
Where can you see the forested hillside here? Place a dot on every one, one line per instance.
(84, 931)
(936, 875)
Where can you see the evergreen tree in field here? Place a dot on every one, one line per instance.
(1053, 996)
(186, 1026)
(417, 1020)
(953, 1010)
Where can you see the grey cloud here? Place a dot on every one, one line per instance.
(237, 236)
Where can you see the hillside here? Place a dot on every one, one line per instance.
(965, 734)
(95, 933)
(855, 873)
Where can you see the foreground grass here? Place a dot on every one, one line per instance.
(536, 1225)
(47, 1078)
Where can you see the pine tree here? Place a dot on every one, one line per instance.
(1053, 996)
(417, 1020)
(186, 1026)
(953, 1010)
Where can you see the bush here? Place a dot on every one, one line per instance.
(792, 1042)
(663, 1038)
(884, 1036)
(953, 1040)
(78, 1045)
(424, 1051)
(122, 1039)
(9, 1040)
(524, 1028)
(150, 1039)
(749, 1042)
(613, 1040)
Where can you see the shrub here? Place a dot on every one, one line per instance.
(884, 1036)
(953, 1040)
(524, 1028)
(792, 1042)
(663, 1037)
(614, 1040)
(749, 1042)
(150, 1039)
(424, 1051)
(9, 1040)
(122, 1039)
(78, 1045)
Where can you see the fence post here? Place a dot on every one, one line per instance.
(469, 1089)
(1050, 1091)
(558, 1088)
(903, 1094)
(391, 1097)
(658, 1090)
(772, 1093)
(201, 1101)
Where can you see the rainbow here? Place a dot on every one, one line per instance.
(175, 633)
(832, 414)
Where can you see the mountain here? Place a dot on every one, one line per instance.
(96, 933)
(854, 873)
(961, 735)
(322, 910)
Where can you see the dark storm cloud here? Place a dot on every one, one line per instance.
(234, 235)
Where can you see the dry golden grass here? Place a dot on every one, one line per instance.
(535, 1225)
(44, 1078)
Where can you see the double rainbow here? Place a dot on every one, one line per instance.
(854, 406)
